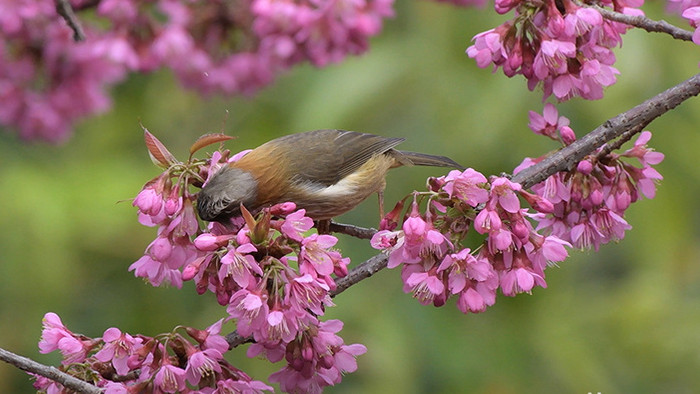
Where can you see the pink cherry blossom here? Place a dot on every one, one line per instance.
(503, 191)
(295, 224)
(239, 265)
(317, 359)
(425, 286)
(306, 292)
(519, 280)
(55, 336)
(250, 309)
(315, 253)
(117, 349)
(467, 186)
(201, 364)
(170, 379)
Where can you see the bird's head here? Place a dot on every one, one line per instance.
(221, 197)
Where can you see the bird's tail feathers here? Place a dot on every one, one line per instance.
(422, 159)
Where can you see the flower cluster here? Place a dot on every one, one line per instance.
(565, 48)
(316, 359)
(551, 125)
(166, 202)
(48, 81)
(275, 283)
(583, 208)
(168, 363)
(590, 201)
(273, 278)
(435, 265)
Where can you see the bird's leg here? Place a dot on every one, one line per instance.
(323, 226)
(380, 195)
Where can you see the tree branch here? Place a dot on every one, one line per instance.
(616, 144)
(235, 339)
(64, 9)
(352, 230)
(52, 373)
(363, 271)
(641, 22)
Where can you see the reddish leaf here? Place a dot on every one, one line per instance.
(208, 139)
(249, 219)
(160, 155)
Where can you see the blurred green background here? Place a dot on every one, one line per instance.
(626, 319)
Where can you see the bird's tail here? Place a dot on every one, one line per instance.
(422, 159)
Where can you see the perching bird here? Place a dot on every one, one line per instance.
(326, 172)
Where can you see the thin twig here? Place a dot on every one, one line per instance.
(352, 230)
(642, 22)
(64, 9)
(234, 339)
(49, 372)
(360, 272)
(616, 144)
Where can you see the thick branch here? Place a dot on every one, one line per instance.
(637, 117)
(52, 373)
(64, 9)
(643, 22)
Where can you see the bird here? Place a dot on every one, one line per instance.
(326, 172)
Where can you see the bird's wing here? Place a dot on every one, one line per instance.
(335, 154)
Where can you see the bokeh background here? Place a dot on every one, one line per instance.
(626, 319)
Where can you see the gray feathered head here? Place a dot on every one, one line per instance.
(221, 197)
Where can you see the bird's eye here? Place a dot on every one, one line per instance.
(221, 204)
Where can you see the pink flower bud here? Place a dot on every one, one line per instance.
(284, 208)
(340, 270)
(567, 135)
(520, 230)
(326, 362)
(160, 249)
(208, 242)
(192, 268)
(537, 202)
(307, 352)
(149, 201)
(173, 206)
(596, 197)
(585, 167)
(242, 237)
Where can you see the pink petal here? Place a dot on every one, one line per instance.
(474, 300)
(435, 285)
(275, 318)
(525, 279)
(550, 113)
